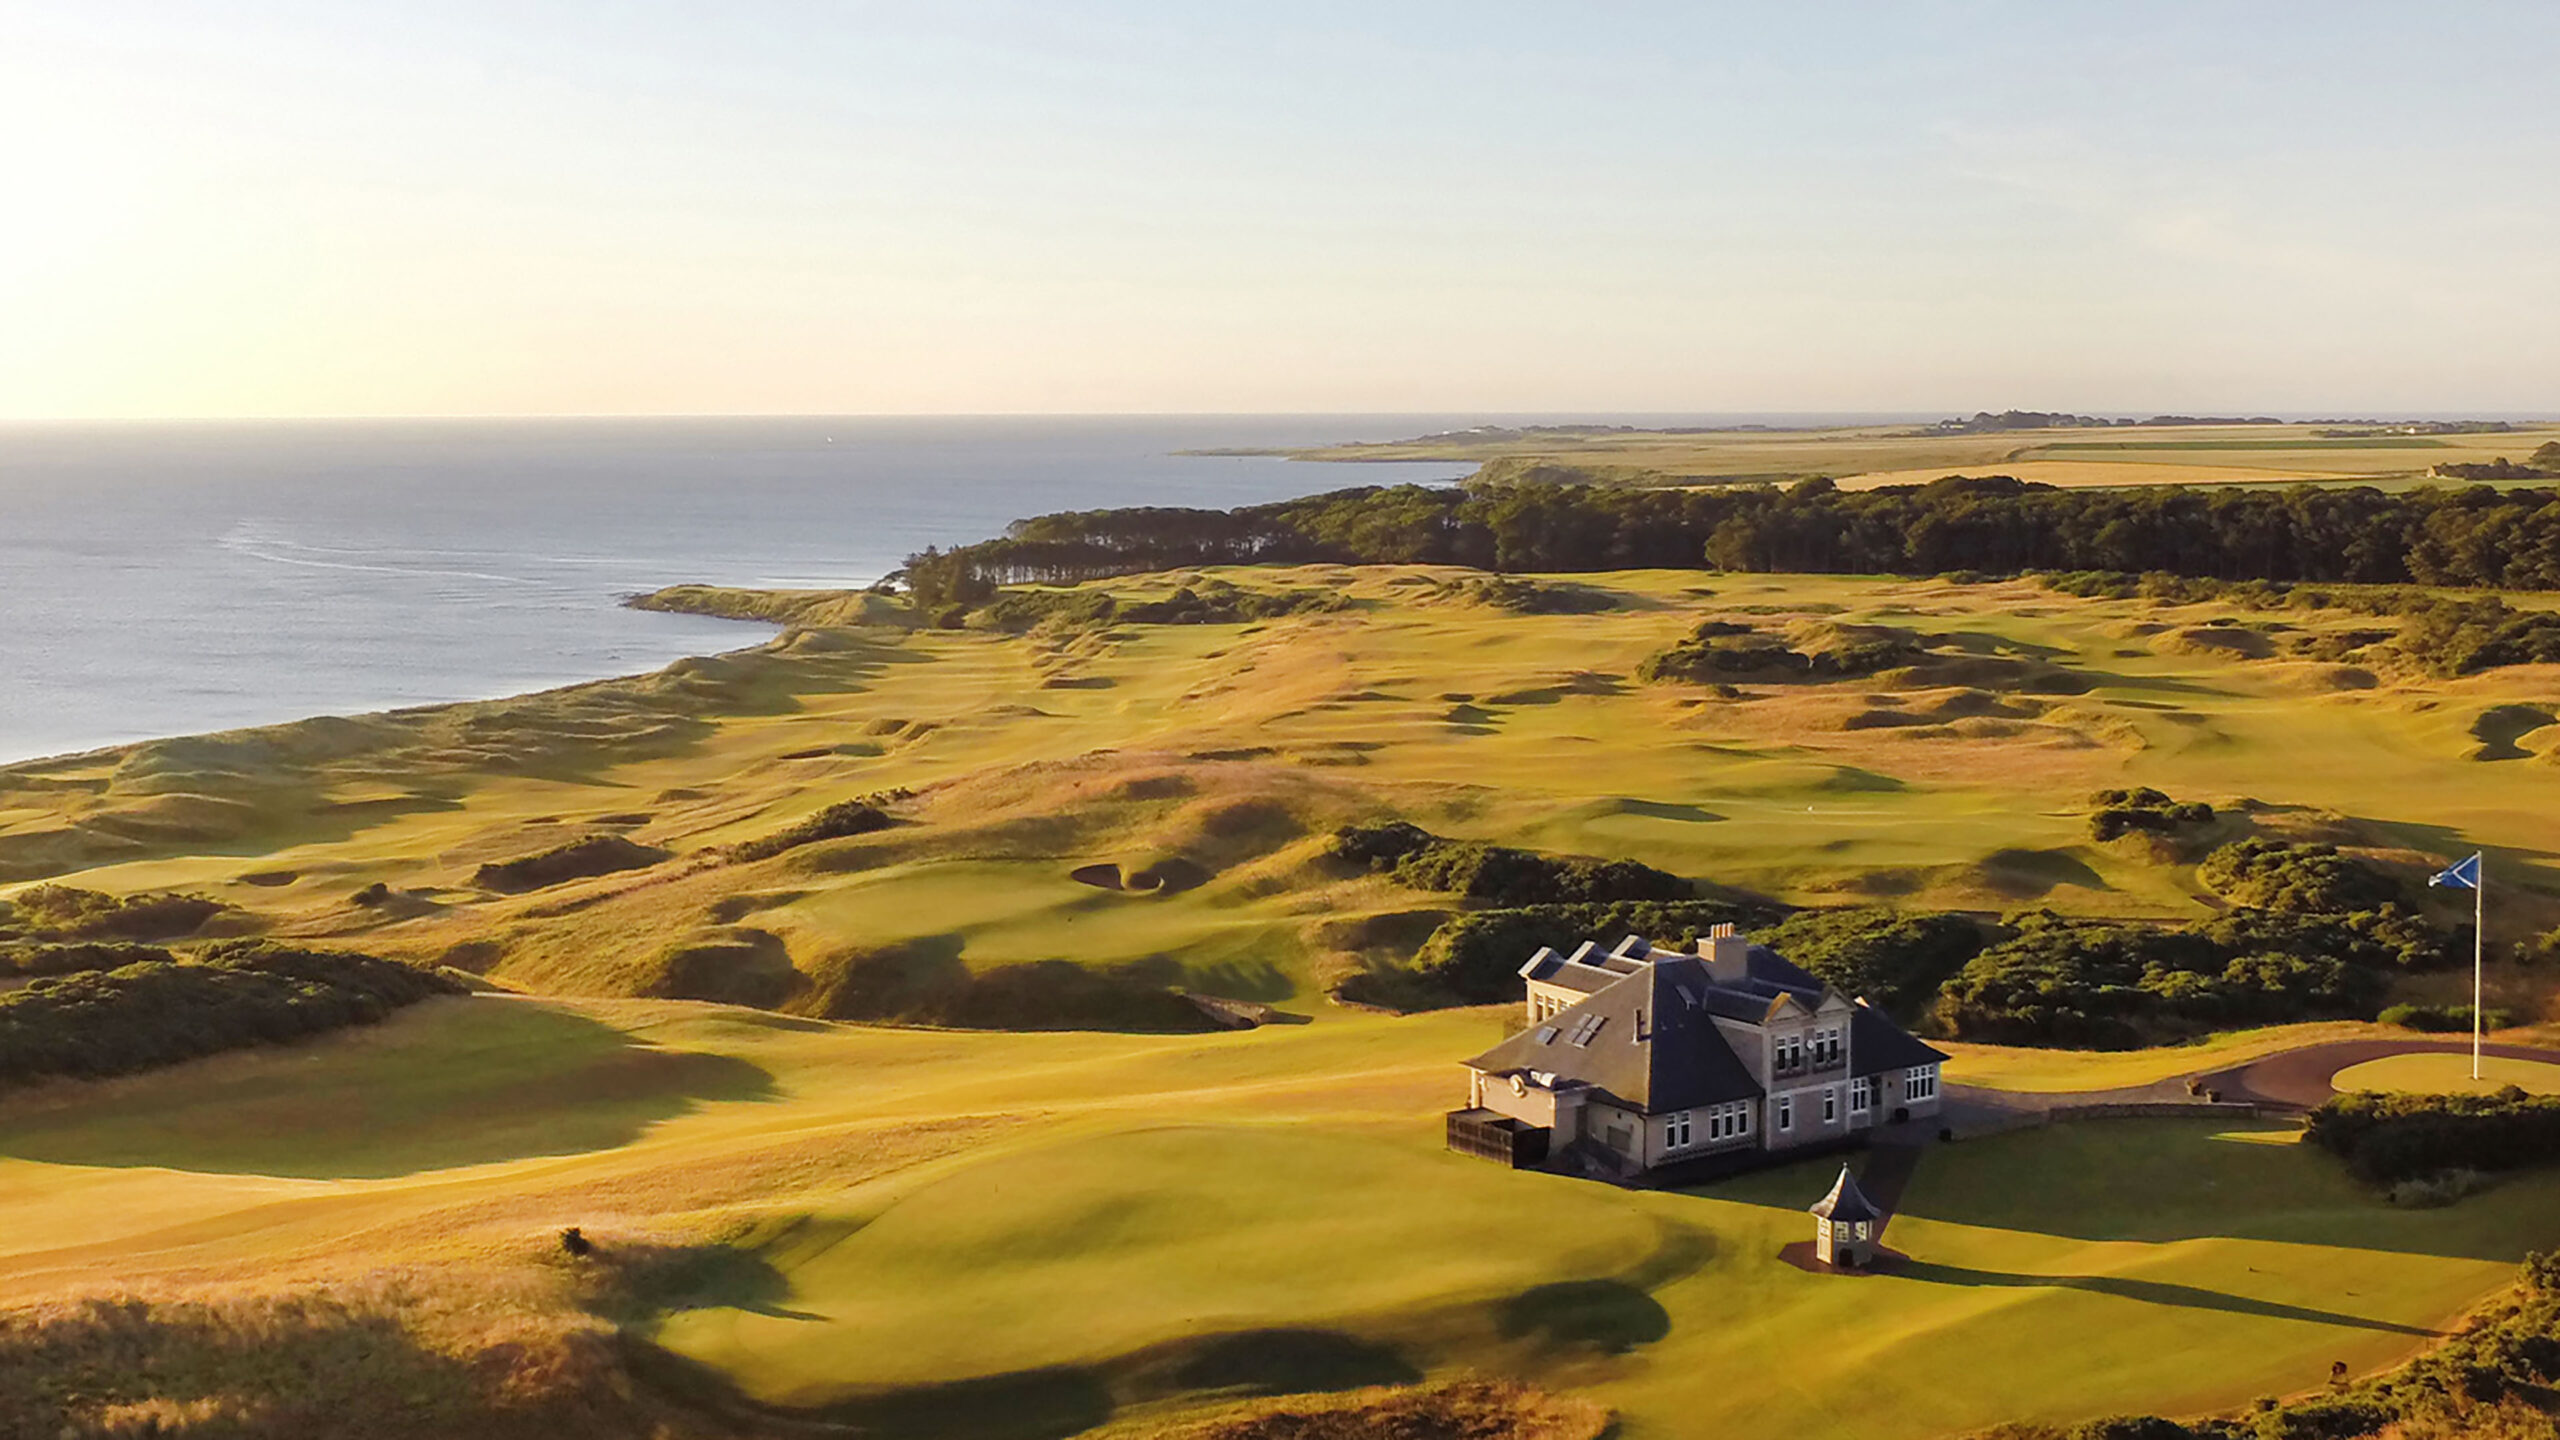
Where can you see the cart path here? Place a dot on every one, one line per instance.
(2299, 1079)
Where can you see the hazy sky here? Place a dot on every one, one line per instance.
(342, 207)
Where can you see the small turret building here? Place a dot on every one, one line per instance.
(1847, 1225)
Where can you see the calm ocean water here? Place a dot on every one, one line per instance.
(170, 578)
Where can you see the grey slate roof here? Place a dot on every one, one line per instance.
(1673, 1060)
(1588, 969)
(1846, 1201)
(1876, 1044)
(1677, 1058)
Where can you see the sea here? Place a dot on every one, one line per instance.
(169, 578)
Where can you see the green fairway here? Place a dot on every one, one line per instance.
(1091, 1229)
(1084, 1229)
(2445, 1073)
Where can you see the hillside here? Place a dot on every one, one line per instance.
(1153, 801)
(1079, 810)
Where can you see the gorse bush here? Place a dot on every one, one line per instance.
(1892, 959)
(2111, 985)
(1498, 873)
(1723, 649)
(234, 994)
(920, 986)
(1475, 957)
(1212, 602)
(2277, 876)
(2442, 1019)
(61, 912)
(2117, 813)
(836, 822)
(66, 959)
(2388, 1138)
(576, 860)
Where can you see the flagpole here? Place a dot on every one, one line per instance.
(2479, 950)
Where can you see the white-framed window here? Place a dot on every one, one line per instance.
(1920, 1082)
(1729, 1122)
(1675, 1131)
(1866, 1229)
(1826, 1047)
(1786, 1112)
(1862, 1094)
(1790, 1052)
(1831, 1105)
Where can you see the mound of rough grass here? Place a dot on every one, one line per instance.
(61, 912)
(1520, 595)
(836, 822)
(579, 859)
(1727, 649)
(732, 965)
(1461, 1410)
(1211, 602)
(921, 984)
(234, 994)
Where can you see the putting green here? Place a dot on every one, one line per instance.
(2448, 1073)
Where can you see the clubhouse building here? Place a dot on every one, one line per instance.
(1637, 1058)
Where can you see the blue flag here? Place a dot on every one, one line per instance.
(2461, 874)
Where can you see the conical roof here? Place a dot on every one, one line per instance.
(1846, 1201)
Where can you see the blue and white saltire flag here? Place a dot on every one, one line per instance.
(2461, 874)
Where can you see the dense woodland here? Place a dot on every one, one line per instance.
(2470, 536)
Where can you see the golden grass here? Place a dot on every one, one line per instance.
(1874, 455)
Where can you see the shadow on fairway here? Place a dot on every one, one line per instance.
(466, 1081)
(2162, 1181)
(1056, 1401)
(2155, 1292)
(1609, 1316)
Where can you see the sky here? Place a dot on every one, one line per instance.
(353, 207)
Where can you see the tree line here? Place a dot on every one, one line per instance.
(2472, 536)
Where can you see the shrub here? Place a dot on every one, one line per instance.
(1893, 959)
(576, 860)
(836, 822)
(235, 994)
(72, 958)
(917, 985)
(61, 912)
(2116, 813)
(2112, 985)
(1719, 649)
(1476, 957)
(2386, 1139)
(1416, 857)
(2442, 1019)
(2278, 876)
